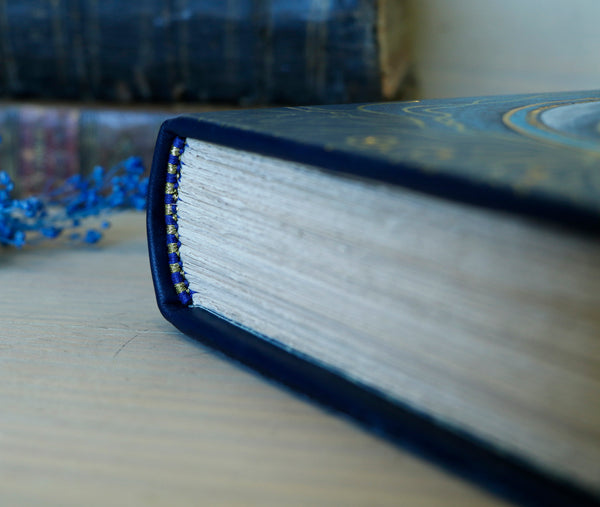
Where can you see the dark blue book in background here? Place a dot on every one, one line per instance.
(242, 51)
(430, 268)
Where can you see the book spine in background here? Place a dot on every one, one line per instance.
(236, 51)
(43, 145)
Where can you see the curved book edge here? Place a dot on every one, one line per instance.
(503, 474)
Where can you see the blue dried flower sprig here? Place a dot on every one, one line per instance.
(66, 207)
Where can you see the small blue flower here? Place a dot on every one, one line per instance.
(92, 236)
(31, 206)
(68, 205)
(134, 166)
(98, 175)
(19, 239)
(50, 232)
(6, 181)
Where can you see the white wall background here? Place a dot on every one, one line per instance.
(478, 47)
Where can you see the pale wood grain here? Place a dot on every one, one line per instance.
(104, 403)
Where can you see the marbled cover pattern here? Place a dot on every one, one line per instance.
(541, 148)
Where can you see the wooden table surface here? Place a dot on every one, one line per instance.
(103, 402)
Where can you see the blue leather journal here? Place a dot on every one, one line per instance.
(535, 156)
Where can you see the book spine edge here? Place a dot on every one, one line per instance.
(505, 475)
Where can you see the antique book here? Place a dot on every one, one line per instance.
(242, 51)
(43, 143)
(431, 268)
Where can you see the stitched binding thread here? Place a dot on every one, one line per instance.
(173, 171)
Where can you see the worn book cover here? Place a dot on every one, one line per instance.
(526, 162)
(244, 51)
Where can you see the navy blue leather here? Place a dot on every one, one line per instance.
(463, 454)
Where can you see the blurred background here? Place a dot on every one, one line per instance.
(470, 47)
(261, 52)
(86, 82)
